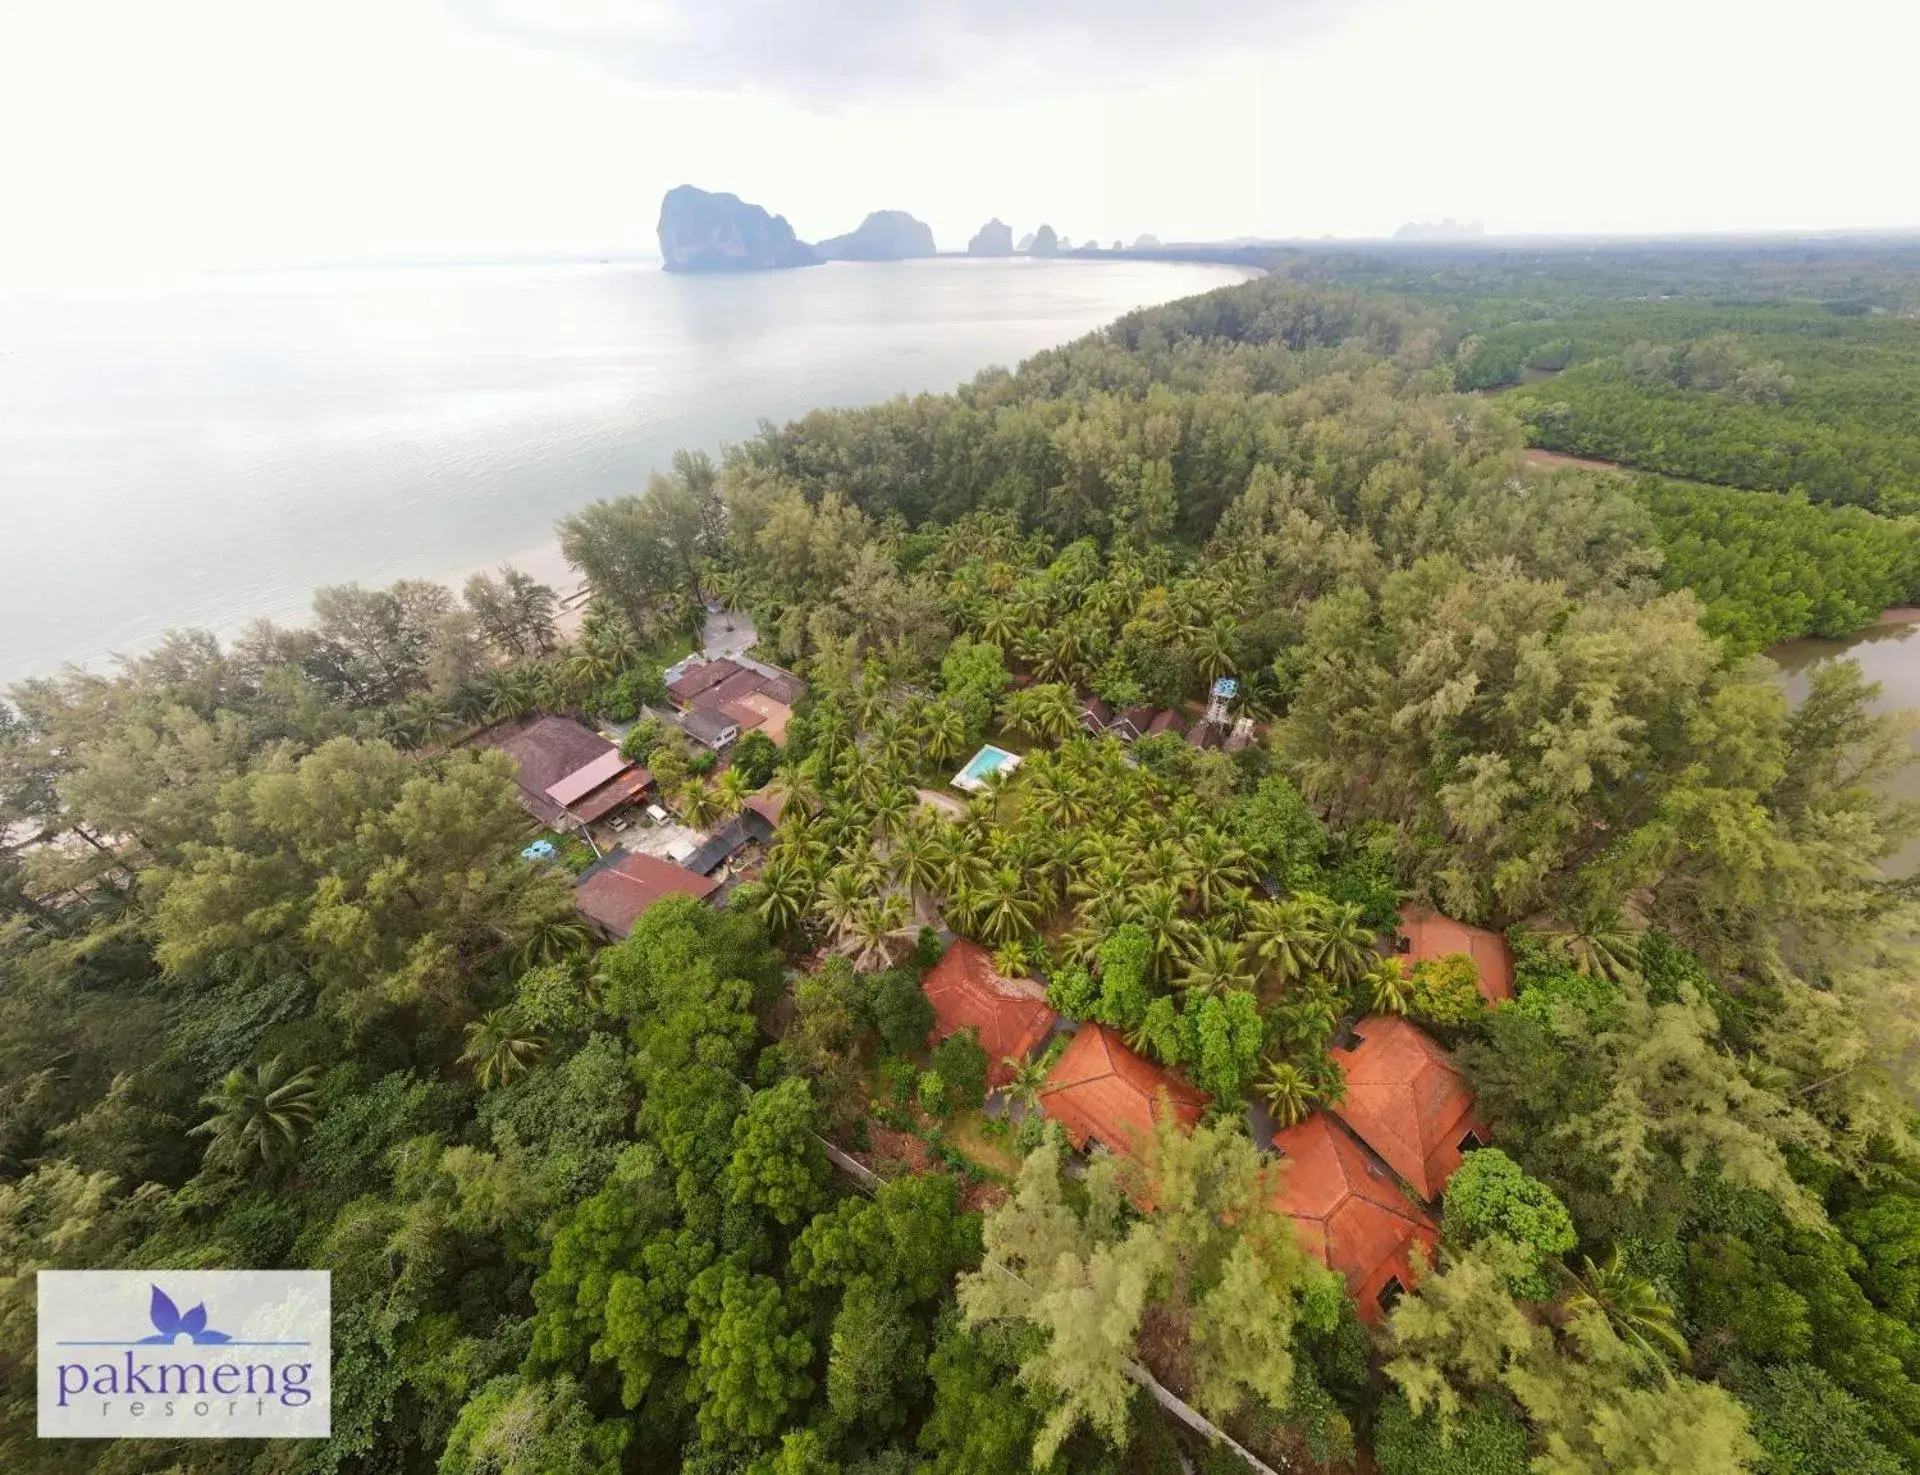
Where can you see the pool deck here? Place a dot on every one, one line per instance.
(970, 781)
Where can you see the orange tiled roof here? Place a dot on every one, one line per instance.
(1100, 1089)
(1406, 1101)
(966, 993)
(1433, 936)
(1348, 1211)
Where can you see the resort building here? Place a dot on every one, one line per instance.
(567, 775)
(1351, 1213)
(733, 691)
(1427, 936)
(1010, 1014)
(1100, 1091)
(617, 888)
(1406, 1101)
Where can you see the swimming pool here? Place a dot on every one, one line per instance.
(987, 761)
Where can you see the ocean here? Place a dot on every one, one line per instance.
(201, 454)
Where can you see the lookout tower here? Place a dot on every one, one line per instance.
(1224, 691)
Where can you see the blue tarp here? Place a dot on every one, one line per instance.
(539, 850)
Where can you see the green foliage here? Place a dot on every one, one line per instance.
(1489, 1194)
(517, 1427)
(1444, 992)
(962, 1065)
(1807, 1424)
(1482, 1440)
(642, 738)
(754, 757)
(1073, 993)
(777, 1165)
(900, 1010)
(1220, 1039)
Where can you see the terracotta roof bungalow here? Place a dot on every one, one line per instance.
(968, 993)
(1350, 1212)
(1167, 721)
(1430, 936)
(566, 773)
(617, 888)
(1100, 1091)
(1406, 1101)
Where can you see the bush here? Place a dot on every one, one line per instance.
(642, 738)
(1445, 991)
(900, 1010)
(1072, 993)
(1484, 1441)
(1490, 1194)
(754, 757)
(962, 1065)
(898, 1078)
(932, 1095)
(702, 762)
(927, 949)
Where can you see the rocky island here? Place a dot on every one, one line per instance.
(885, 235)
(1044, 243)
(703, 231)
(995, 238)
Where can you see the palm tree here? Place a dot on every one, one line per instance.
(1002, 906)
(1634, 1307)
(1056, 794)
(943, 733)
(1056, 714)
(730, 793)
(699, 806)
(552, 938)
(1165, 863)
(840, 898)
(1213, 650)
(915, 860)
(1280, 935)
(1024, 1085)
(1216, 967)
(1342, 942)
(1156, 910)
(1389, 990)
(788, 892)
(999, 625)
(501, 1046)
(1217, 869)
(875, 926)
(1289, 1094)
(1601, 945)
(263, 1115)
(891, 808)
(1010, 959)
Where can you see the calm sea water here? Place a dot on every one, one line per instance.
(202, 455)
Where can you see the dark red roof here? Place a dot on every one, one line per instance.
(545, 752)
(1433, 936)
(1100, 1090)
(1406, 1101)
(616, 894)
(1138, 718)
(1095, 714)
(602, 802)
(707, 674)
(784, 687)
(1349, 1211)
(967, 993)
(1167, 721)
(743, 683)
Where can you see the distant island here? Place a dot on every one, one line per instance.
(702, 231)
(1444, 230)
(995, 238)
(885, 235)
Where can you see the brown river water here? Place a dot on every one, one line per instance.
(1889, 654)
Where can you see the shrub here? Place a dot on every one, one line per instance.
(1491, 1194)
(642, 738)
(900, 1010)
(960, 1062)
(932, 1095)
(754, 757)
(702, 762)
(1444, 991)
(1482, 1441)
(1072, 993)
(927, 949)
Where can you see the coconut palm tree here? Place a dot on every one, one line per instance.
(1215, 967)
(1024, 1085)
(1342, 943)
(915, 861)
(1389, 990)
(1156, 910)
(1216, 869)
(874, 929)
(1164, 863)
(500, 1046)
(699, 806)
(1634, 1307)
(1280, 936)
(1056, 715)
(1213, 650)
(841, 896)
(1002, 906)
(1057, 794)
(730, 793)
(259, 1115)
(554, 937)
(1288, 1092)
(943, 733)
(1011, 959)
(1601, 945)
(788, 891)
(891, 809)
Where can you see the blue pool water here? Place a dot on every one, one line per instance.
(988, 760)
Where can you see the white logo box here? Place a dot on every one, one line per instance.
(185, 1354)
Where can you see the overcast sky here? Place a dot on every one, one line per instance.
(208, 133)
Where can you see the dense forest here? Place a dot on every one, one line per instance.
(277, 987)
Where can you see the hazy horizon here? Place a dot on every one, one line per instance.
(217, 134)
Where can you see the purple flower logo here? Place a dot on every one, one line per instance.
(170, 1326)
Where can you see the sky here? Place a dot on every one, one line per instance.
(205, 134)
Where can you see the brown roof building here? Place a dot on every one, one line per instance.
(1406, 1101)
(565, 773)
(1100, 1091)
(966, 992)
(613, 892)
(1350, 1212)
(703, 677)
(1430, 936)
